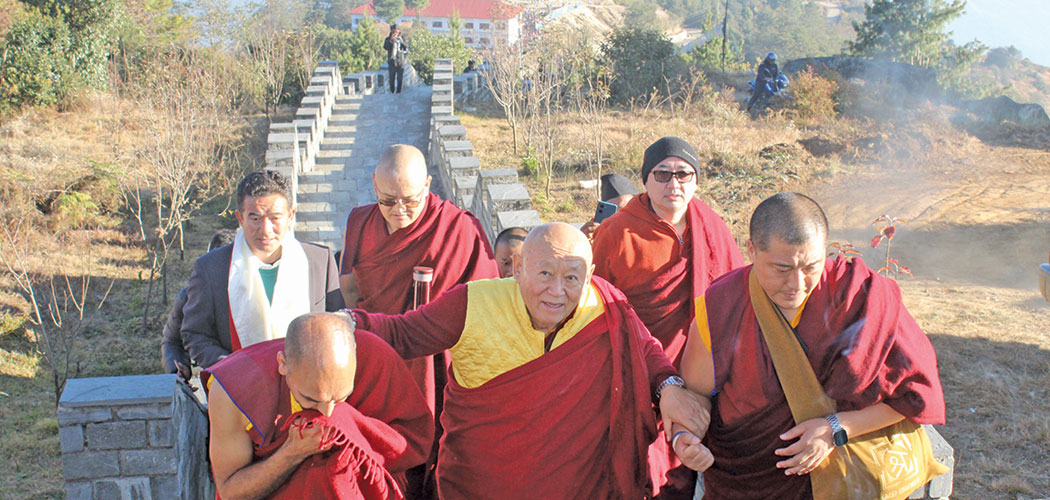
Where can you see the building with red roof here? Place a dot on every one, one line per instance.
(483, 23)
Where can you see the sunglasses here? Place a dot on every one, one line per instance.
(683, 176)
(407, 203)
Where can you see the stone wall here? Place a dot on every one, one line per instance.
(495, 197)
(291, 148)
(141, 437)
(375, 82)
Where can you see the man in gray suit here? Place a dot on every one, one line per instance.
(247, 292)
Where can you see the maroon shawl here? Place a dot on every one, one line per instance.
(864, 348)
(573, 423)
(384, 424)
(637, 239)
(444, 237)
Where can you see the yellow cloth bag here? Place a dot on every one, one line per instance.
(887, 464)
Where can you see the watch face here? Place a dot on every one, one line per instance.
(840, 438)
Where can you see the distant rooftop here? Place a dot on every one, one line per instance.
(473, 9)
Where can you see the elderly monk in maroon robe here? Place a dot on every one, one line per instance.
(552, 382)
(410, 227)
(867, 352)
(325, 413)
(662, 250)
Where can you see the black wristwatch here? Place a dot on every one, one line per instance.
(838, 434)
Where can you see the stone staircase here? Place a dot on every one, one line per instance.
(360, 128)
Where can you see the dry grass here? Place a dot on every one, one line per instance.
(42, 152)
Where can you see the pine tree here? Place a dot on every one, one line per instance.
(909, 31)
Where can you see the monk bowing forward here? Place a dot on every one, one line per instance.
(325, 413)
(552, 383)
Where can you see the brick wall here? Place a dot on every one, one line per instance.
(140, 437)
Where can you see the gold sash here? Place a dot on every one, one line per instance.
(887, 464)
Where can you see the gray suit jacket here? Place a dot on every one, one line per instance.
(206, 316)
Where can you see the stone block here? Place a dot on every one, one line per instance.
(441, 110)
(71, 438)
(145, 411)
(446, 120)
(325, 80)
(442, 88)
(83, 415)
(312, 101)
(160, 433)
(457, 148)
(317, 90)
(464, 185)
(281, 127)
(280, 140)
(452, 132)
(498, 176)
(90, 464)
(116, 435)
(941, 486)
(508, 197)
(102, 391)
(148, 462)
(464, 166)
(125, 488)
(466, 201)
(527, 219)
(78, 491)
(164, 487)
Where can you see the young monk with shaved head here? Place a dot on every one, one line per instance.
(325, 413)
(508, 244)
(408, 227)
(867, 352)
(552, 383)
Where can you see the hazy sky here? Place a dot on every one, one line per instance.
(1001, 23)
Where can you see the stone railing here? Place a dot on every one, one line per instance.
(495, 197)
(373, 82)
(291, 148)
(136, 437)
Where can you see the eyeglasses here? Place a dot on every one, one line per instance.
(407, 202)
(683, 176)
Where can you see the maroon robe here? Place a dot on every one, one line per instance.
(863, 346)
(574, 423)
(384, 426)
(662, 273)
(444, 237)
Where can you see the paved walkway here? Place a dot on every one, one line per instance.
(360, 128)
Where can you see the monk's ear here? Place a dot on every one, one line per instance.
(429, 178)
(516, 265)
(752, 252)
(282, 364)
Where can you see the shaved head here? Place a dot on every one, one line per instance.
(402, 162)
(401, 185)
(557, 238)
(508, 244)
(320, 340)
(792, 218)
(552, 272)
(319, 360)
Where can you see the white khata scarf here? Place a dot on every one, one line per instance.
(254, 318)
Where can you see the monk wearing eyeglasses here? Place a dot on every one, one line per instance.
(662, 250)
(410, 226)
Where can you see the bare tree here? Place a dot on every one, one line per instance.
(504, 70)
(60, 307)
(190, 158)
(590, 99)
(269, 56)
(545, 103)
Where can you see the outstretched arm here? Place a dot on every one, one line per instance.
(428, 330)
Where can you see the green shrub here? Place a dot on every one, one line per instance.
(35, 67)
(73, 210)
(709, 56)
(640, 59)
(425, 46)
(814, 96)
(357, 51)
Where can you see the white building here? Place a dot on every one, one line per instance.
(483, 22)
